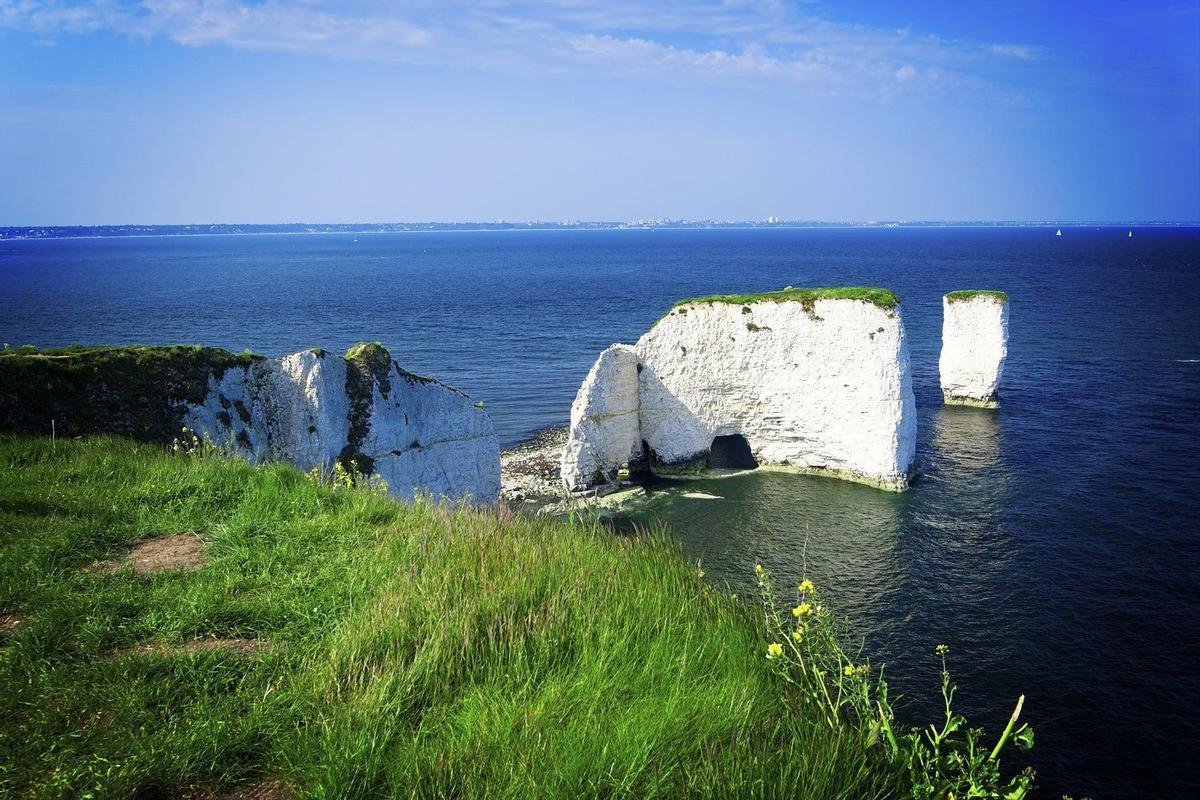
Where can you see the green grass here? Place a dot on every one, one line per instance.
(79, 356)
(970, 294)
(417, 650)
(884, 298)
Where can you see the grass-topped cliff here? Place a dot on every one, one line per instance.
(884, 298)
(131, 390)
(139, 390)
(187, 623)
(963, 295)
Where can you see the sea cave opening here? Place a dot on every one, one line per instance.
(731, 452)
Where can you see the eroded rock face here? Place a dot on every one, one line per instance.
(314, 408)
(822, 386)
(605, 429)
(974, 347)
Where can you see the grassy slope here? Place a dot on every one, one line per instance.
(418, 651)
(970, 294)
(884, 298)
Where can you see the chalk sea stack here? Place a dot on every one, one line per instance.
(974, 346)
(813, 380)
(312, 409)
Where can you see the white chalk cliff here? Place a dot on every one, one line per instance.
(974, 346)
(313, 409)
(605, 431)
(814, 384)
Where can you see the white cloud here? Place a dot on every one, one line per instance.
(726, 39)
(637, 55)
(41, 17)
(1023, 52)
(293, 27)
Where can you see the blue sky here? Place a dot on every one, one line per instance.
(223, 111)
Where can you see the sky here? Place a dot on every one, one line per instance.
(201, 111)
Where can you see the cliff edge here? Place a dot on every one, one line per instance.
(313, 409)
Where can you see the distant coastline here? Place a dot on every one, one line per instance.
(15, 232)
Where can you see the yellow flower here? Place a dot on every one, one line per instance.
(804, 609)
(848, 671)
(699, 573)
(942, 649)
(797, 635)
(806, 585)
(774, 650)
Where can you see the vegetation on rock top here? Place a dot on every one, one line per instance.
(884, 298)
(970, 294)
(131, 390)
(374, 360)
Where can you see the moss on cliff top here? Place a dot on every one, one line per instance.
(963, 295)
(374, 360)
(131, 390)
(884, 298)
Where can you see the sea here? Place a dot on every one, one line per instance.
(1053, 544)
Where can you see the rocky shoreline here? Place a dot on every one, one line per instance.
(530, 471)
(531, 480)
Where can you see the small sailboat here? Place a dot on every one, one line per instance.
(1058, 232)
(1130, 235)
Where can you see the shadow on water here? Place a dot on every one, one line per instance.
(859, 542)
(967, 440)
(845, 533)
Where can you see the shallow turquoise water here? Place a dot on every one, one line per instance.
(1053, 543)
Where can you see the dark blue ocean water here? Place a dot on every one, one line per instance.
(1054, 544)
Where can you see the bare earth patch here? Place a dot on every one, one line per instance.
(265, 789)
(261, 789)
(176, 551)
(10, 621)
(206, 644)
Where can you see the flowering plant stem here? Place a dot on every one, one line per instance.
(942, 761)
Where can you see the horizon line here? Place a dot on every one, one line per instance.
(576, 223)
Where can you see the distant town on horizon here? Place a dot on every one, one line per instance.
(218, 229)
